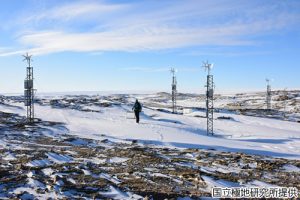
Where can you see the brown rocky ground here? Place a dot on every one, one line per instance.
(36, 162)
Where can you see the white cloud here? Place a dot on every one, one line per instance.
(74, 10)
(174, 25)
(225, 53)
(130, 39)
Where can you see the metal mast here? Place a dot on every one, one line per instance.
(269, 95)
(28, 89)
(174, 90)
(285, 92)
(209, 99)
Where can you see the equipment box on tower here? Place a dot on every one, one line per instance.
(28, 84)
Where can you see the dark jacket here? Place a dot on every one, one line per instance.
(137, 107)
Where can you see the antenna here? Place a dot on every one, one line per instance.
(209, 98)
(28, 89)
(174, 90)
(269, 95)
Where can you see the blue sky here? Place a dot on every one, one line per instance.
(131, 45)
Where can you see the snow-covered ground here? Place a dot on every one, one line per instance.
(90, 146)
(243, 134)
(239, 133)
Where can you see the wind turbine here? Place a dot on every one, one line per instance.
(28, 58)
(207, 66)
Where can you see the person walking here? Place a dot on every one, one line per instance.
(137, 108)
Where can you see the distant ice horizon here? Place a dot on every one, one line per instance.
(111, 92)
